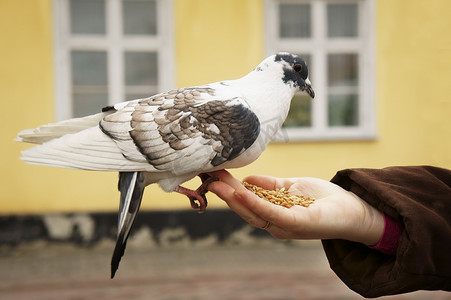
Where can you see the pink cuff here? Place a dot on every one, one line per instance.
(388, 243)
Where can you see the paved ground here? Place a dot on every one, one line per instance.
(269, 270)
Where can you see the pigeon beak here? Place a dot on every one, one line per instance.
(308, 88)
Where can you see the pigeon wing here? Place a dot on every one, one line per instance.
(183, 131)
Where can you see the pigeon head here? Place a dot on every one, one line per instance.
(292, 69)
(295, 72)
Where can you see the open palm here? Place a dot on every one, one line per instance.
(336, 213)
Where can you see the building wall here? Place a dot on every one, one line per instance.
(217, 40)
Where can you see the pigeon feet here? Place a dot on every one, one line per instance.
(199, 194)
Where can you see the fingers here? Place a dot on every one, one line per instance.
(266, 182)
(262, 208)
(226, 177)
(250, 207)
(232, 192)
(228, 194)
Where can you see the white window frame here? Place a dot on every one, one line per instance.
(115, 44)
(318, 46)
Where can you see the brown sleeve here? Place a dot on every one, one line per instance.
(420, 197)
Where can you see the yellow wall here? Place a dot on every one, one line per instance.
(224, 39)
(216, 40)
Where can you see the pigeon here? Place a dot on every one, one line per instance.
(172, 137)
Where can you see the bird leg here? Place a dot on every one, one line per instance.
(199, 194)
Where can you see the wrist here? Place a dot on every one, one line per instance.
(374, 227)
(366, 223)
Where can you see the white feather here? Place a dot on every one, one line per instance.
(89, 149)
(51, 131)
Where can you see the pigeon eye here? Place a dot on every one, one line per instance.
(297, 68)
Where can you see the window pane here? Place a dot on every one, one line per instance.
(342, 20)
(89, 68)
(294, 21)
(87, 16)
(89, 82)
(140, 17)
(141, 68)
(133, 96)
(84, 104)
(300, 114)
(342, 70)
(343, 110)
(140, 91)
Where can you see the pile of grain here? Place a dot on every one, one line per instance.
(279, 196)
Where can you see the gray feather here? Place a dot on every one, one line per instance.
(131, 185)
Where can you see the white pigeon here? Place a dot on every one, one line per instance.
(172, 137)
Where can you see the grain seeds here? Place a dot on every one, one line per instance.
(279, 196)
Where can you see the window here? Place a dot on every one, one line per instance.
(109, 51)
(335, 37)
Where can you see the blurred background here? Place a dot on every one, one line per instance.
(381, 71)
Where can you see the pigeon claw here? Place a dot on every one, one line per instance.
(201, 203)
(197, 198)
(194, 196)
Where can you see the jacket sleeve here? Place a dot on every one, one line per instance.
(420, 197)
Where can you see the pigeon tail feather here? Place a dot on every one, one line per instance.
(89, 149)
(131, 185)
(52, 131)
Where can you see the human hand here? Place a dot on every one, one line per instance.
(335, 214)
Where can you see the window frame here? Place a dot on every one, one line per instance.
(319, 46)
(115, 43)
